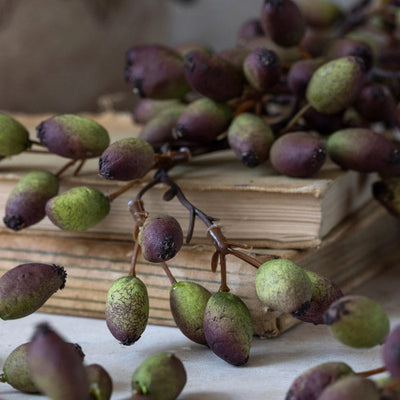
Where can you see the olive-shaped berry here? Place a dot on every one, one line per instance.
(14, 137)
(127, 309)
(73, 136)
(126, 159)
(160, 238)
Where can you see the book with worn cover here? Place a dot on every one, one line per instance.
(257, 205)
(360, 247)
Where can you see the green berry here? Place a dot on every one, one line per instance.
(73, 136)
(127, 309)
(336, 84)
(228, 328)
(78, 209)
(357, 321)
(16, 370)
(351, 387)
(250, 137)
(161, 376)
(14, 137)
(284, 286)
(188, 301)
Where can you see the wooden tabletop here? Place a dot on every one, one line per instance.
(272, 366)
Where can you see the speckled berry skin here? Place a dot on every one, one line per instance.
(357, 321)
(160, 238)
(250, 138)
(310, 384)
(284, 286)
(26, 203)
(26, 287)
(228, 328)
(324, 293)
(14, 137)
(336, 84)
(78, 209)
(73, 136)
(202, 121)
(161, 376)
(188, 301)
(262, 69)
(298, 154)
(363, 150)
(126, 159)
(212, 76)
(127, 309)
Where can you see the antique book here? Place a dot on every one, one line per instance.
(363, 245)
(257, 205)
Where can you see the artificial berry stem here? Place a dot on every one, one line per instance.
(135, 254)
(123, 189)
(37, 143)
(65, 167)
(79, 167)
(296, 117)
(372, 372)
(392, 385)
(168, 273)
(35, 151)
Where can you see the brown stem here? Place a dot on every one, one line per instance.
(172, 157)
(38, 151)
(296, 117)
(168, 272)
(79, 167)
(372, 372)
(123, 189)
(392, 385)
(247, 258)
(223, 286)
(37, 143)
(139, 214)
(65, 167)
(245, 106)
(135, 254)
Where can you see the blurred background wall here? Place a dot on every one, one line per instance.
(68, 55)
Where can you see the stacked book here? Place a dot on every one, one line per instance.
(328, 223)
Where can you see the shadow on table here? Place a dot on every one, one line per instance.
(205, 396)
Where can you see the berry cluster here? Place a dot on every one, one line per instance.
(305, 83)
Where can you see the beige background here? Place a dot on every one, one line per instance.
(62, 55)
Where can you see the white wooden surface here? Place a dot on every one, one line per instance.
(273, 364)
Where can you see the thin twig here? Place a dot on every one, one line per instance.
(168, 272)
(135, 254)
(65, 167)
(372, 372)
(123, 189)
(81, 164)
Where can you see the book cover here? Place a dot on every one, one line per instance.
(258, 205)
(363, 245)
